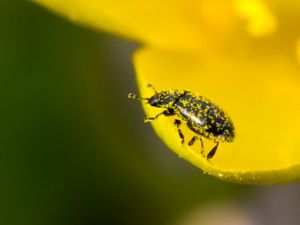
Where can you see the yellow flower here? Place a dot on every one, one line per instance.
(243, 55)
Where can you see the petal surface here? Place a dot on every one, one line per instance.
(261, 96)
(187, 25)
(244, 55)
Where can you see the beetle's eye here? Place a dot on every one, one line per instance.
(154, 101)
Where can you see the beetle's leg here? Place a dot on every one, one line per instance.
(195, 138)
(201, 141)
(212, 152)
(167, 112)
(202, 146)
(178, 123)
(192, 141)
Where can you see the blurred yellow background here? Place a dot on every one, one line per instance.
(74, 150)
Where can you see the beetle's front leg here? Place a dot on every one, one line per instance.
(167, 112)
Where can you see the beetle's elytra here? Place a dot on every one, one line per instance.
(201, 116)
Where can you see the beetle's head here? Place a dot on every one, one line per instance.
(164, 99)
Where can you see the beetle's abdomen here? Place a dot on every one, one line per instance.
(205, 118)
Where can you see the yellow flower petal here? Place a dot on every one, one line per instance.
(255, 80)
(260, 19)
(186, 25)
(262, 97)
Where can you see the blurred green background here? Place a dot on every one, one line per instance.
(73, 149)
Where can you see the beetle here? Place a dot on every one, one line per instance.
(202, 117)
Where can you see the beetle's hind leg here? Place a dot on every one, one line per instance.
(178, 123)
(195, 138)
(213, 151)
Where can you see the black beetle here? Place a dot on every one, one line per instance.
(201, 116)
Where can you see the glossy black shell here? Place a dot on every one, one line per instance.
(204, 118)
(200, 114)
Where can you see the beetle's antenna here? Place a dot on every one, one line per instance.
(150, 86)
(134, 96)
